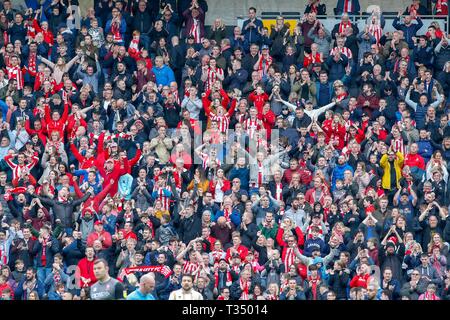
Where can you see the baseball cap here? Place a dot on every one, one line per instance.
(96, 223)
(265, 46)
(316, 64)
(315, 215)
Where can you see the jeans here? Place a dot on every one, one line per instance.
(43, 273)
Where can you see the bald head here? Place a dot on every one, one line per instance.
(147, 283)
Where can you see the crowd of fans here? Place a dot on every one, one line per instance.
(146, 156)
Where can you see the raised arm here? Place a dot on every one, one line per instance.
(47, 62)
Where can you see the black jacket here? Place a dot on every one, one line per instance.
(64, 210)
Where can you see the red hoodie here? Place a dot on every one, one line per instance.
(414, 160)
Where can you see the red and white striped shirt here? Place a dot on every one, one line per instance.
(212, 77)
(289, 258)
(16, 73)
(18, 169)
(163, 198)
(222, 121)
(376, 31)
(398, 145)
(206, 160)
(344, 50)
(251, 125)
(190, 268)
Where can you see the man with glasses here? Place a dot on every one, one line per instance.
(415, 287)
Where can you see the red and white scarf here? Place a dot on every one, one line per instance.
(264, 65)
(228, 282)
(44, 251)
(32, 64)
(115, 30)
(344, 25)
(279, 191)
(289, 258)
(260, 174)
(441, 7)
(376, 31)
(348, 6)
(195, 30)
(3, 254)
(245, 287)
(16, 73)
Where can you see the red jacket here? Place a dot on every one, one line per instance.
(268, 121)
(212, 186)
(258, 100)
(83, 162)
(59, 125)
(243, 252)
(310, 195)
(336, 133)
(359, 281)
(115, 174)
(414, 160)
(107, 240)
(40, 133)
(85, 269)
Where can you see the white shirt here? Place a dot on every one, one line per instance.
(180, 294)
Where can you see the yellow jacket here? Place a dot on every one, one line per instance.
(204, 185)
(385, 164)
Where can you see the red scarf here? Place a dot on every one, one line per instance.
(115, 30)
(264, 65)
(429, 296)
(32, 64)
(164, 270)
(228, 282)
(245, 287)
(3, 254)
(226, 214)
(314, 7)
(314, 288)
(441, 7)
(44, 251)
(344, 25)
(260, 174)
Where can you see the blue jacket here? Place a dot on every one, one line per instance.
(425, 149)
(164, 75)
(243, 174)
(408, 31)
(338, 173)
(337, 69)
(19, 294)
(252, 34)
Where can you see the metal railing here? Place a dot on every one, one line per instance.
(330, 20)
